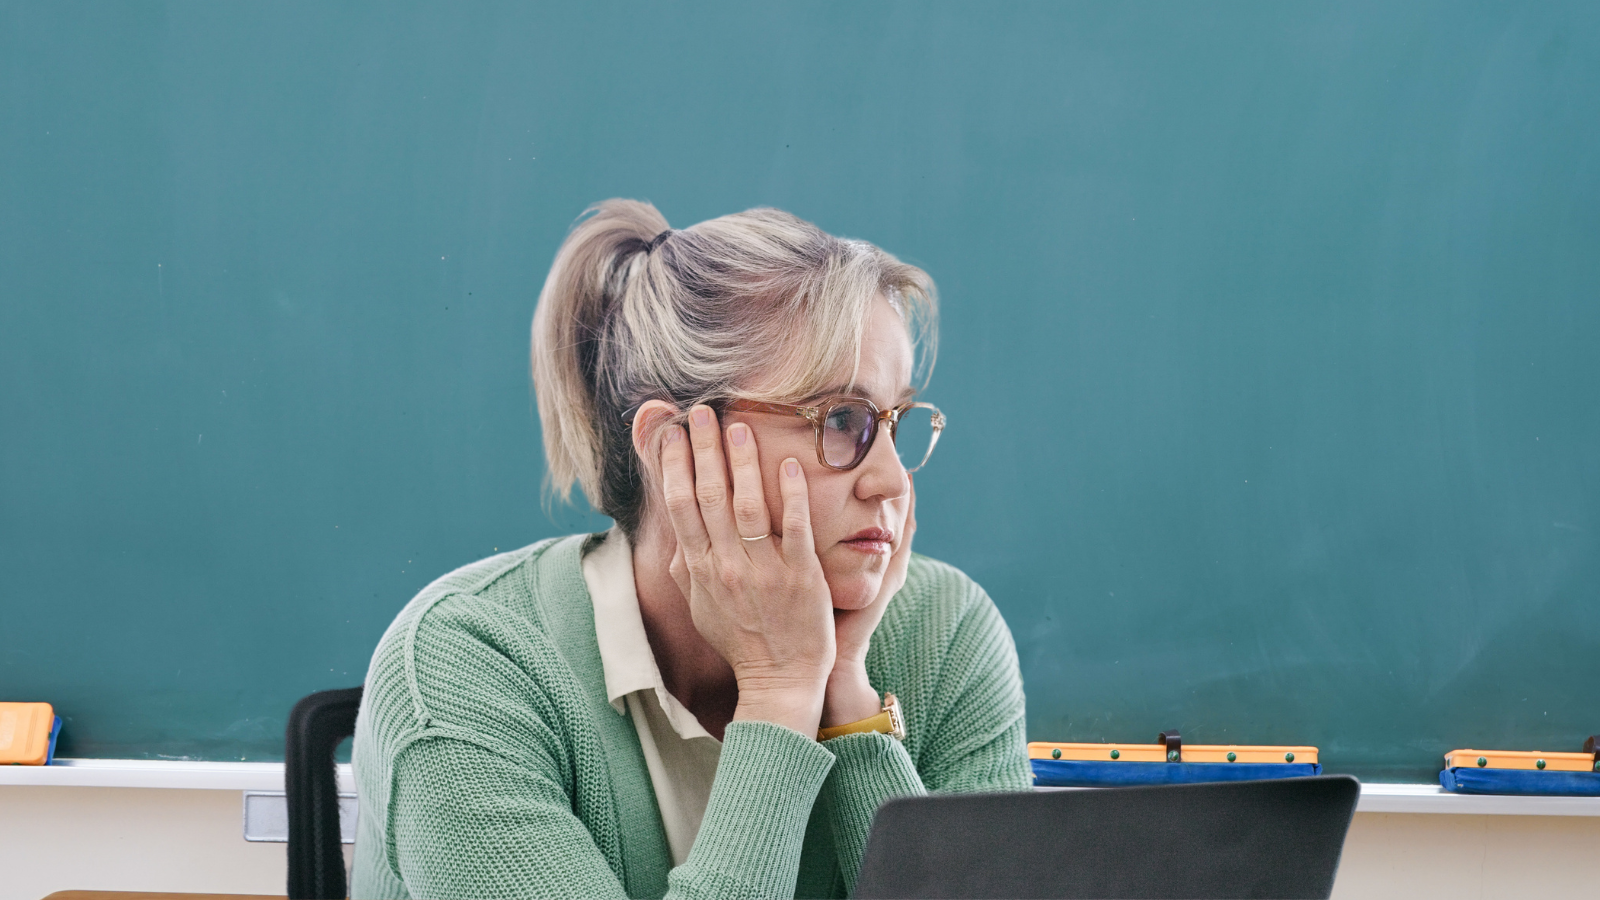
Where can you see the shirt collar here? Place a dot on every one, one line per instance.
(625, 654)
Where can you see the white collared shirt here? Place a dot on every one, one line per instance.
(680, 754)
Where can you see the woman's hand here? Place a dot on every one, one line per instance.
(763, 605)
(850, 696)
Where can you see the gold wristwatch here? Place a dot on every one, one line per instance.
(888, 721)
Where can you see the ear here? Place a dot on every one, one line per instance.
(647, 424)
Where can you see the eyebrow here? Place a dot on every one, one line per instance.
(843, 390)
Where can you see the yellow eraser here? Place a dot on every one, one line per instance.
(25, 733)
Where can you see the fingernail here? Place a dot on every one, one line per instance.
(701, 416)
(792, 469)
(738, 434)
(673, 433)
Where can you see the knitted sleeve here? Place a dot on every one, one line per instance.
(977, 738)
(749, 841)
(967, 724)
(469, 822)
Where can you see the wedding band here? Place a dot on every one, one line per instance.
(760, 538)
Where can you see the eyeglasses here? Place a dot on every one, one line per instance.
(846, 427)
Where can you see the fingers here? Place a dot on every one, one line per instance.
(679, 570)
(798, 546)
(911, 510)
(749, 500)
(711, 477)
(678, 490)
(902, 553)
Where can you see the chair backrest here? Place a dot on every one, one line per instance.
(316, 726)
(1279, 838)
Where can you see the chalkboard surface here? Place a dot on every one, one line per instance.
(1269, 336)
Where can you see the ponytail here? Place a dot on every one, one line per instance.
(569, 326)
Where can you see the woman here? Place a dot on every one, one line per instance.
(690, 703)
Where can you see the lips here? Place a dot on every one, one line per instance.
(876, 542)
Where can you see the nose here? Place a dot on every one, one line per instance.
(881, 476)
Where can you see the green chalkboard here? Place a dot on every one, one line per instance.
(1269, 348)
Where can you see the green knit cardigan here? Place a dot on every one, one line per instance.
(490, 764)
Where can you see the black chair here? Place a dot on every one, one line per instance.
(316, 726)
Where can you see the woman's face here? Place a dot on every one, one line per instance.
(858, 516)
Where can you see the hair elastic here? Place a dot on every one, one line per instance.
(656, 241)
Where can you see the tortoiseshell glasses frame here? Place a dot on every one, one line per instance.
(818, 417)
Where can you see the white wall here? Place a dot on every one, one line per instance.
(1413, 856)
(149, 839)
(131, 839)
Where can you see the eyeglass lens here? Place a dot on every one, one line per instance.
(847, 435)
(914, 437)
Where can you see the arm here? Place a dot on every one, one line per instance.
(471, 822)
(967, 730)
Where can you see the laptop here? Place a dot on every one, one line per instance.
(1279, 838)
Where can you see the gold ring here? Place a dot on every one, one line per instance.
(760, 538)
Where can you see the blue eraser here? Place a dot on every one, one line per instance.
(1467, 780)
(1080, 773)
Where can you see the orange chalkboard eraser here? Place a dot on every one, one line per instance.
(25, 733)
(1533, 760)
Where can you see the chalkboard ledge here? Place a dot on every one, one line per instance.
(1377, 797)
(244, 776)
(159, 773)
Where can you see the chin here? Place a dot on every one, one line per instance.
(856, 591)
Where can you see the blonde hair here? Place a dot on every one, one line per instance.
(757, 305)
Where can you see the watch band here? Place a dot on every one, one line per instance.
(889, 720)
